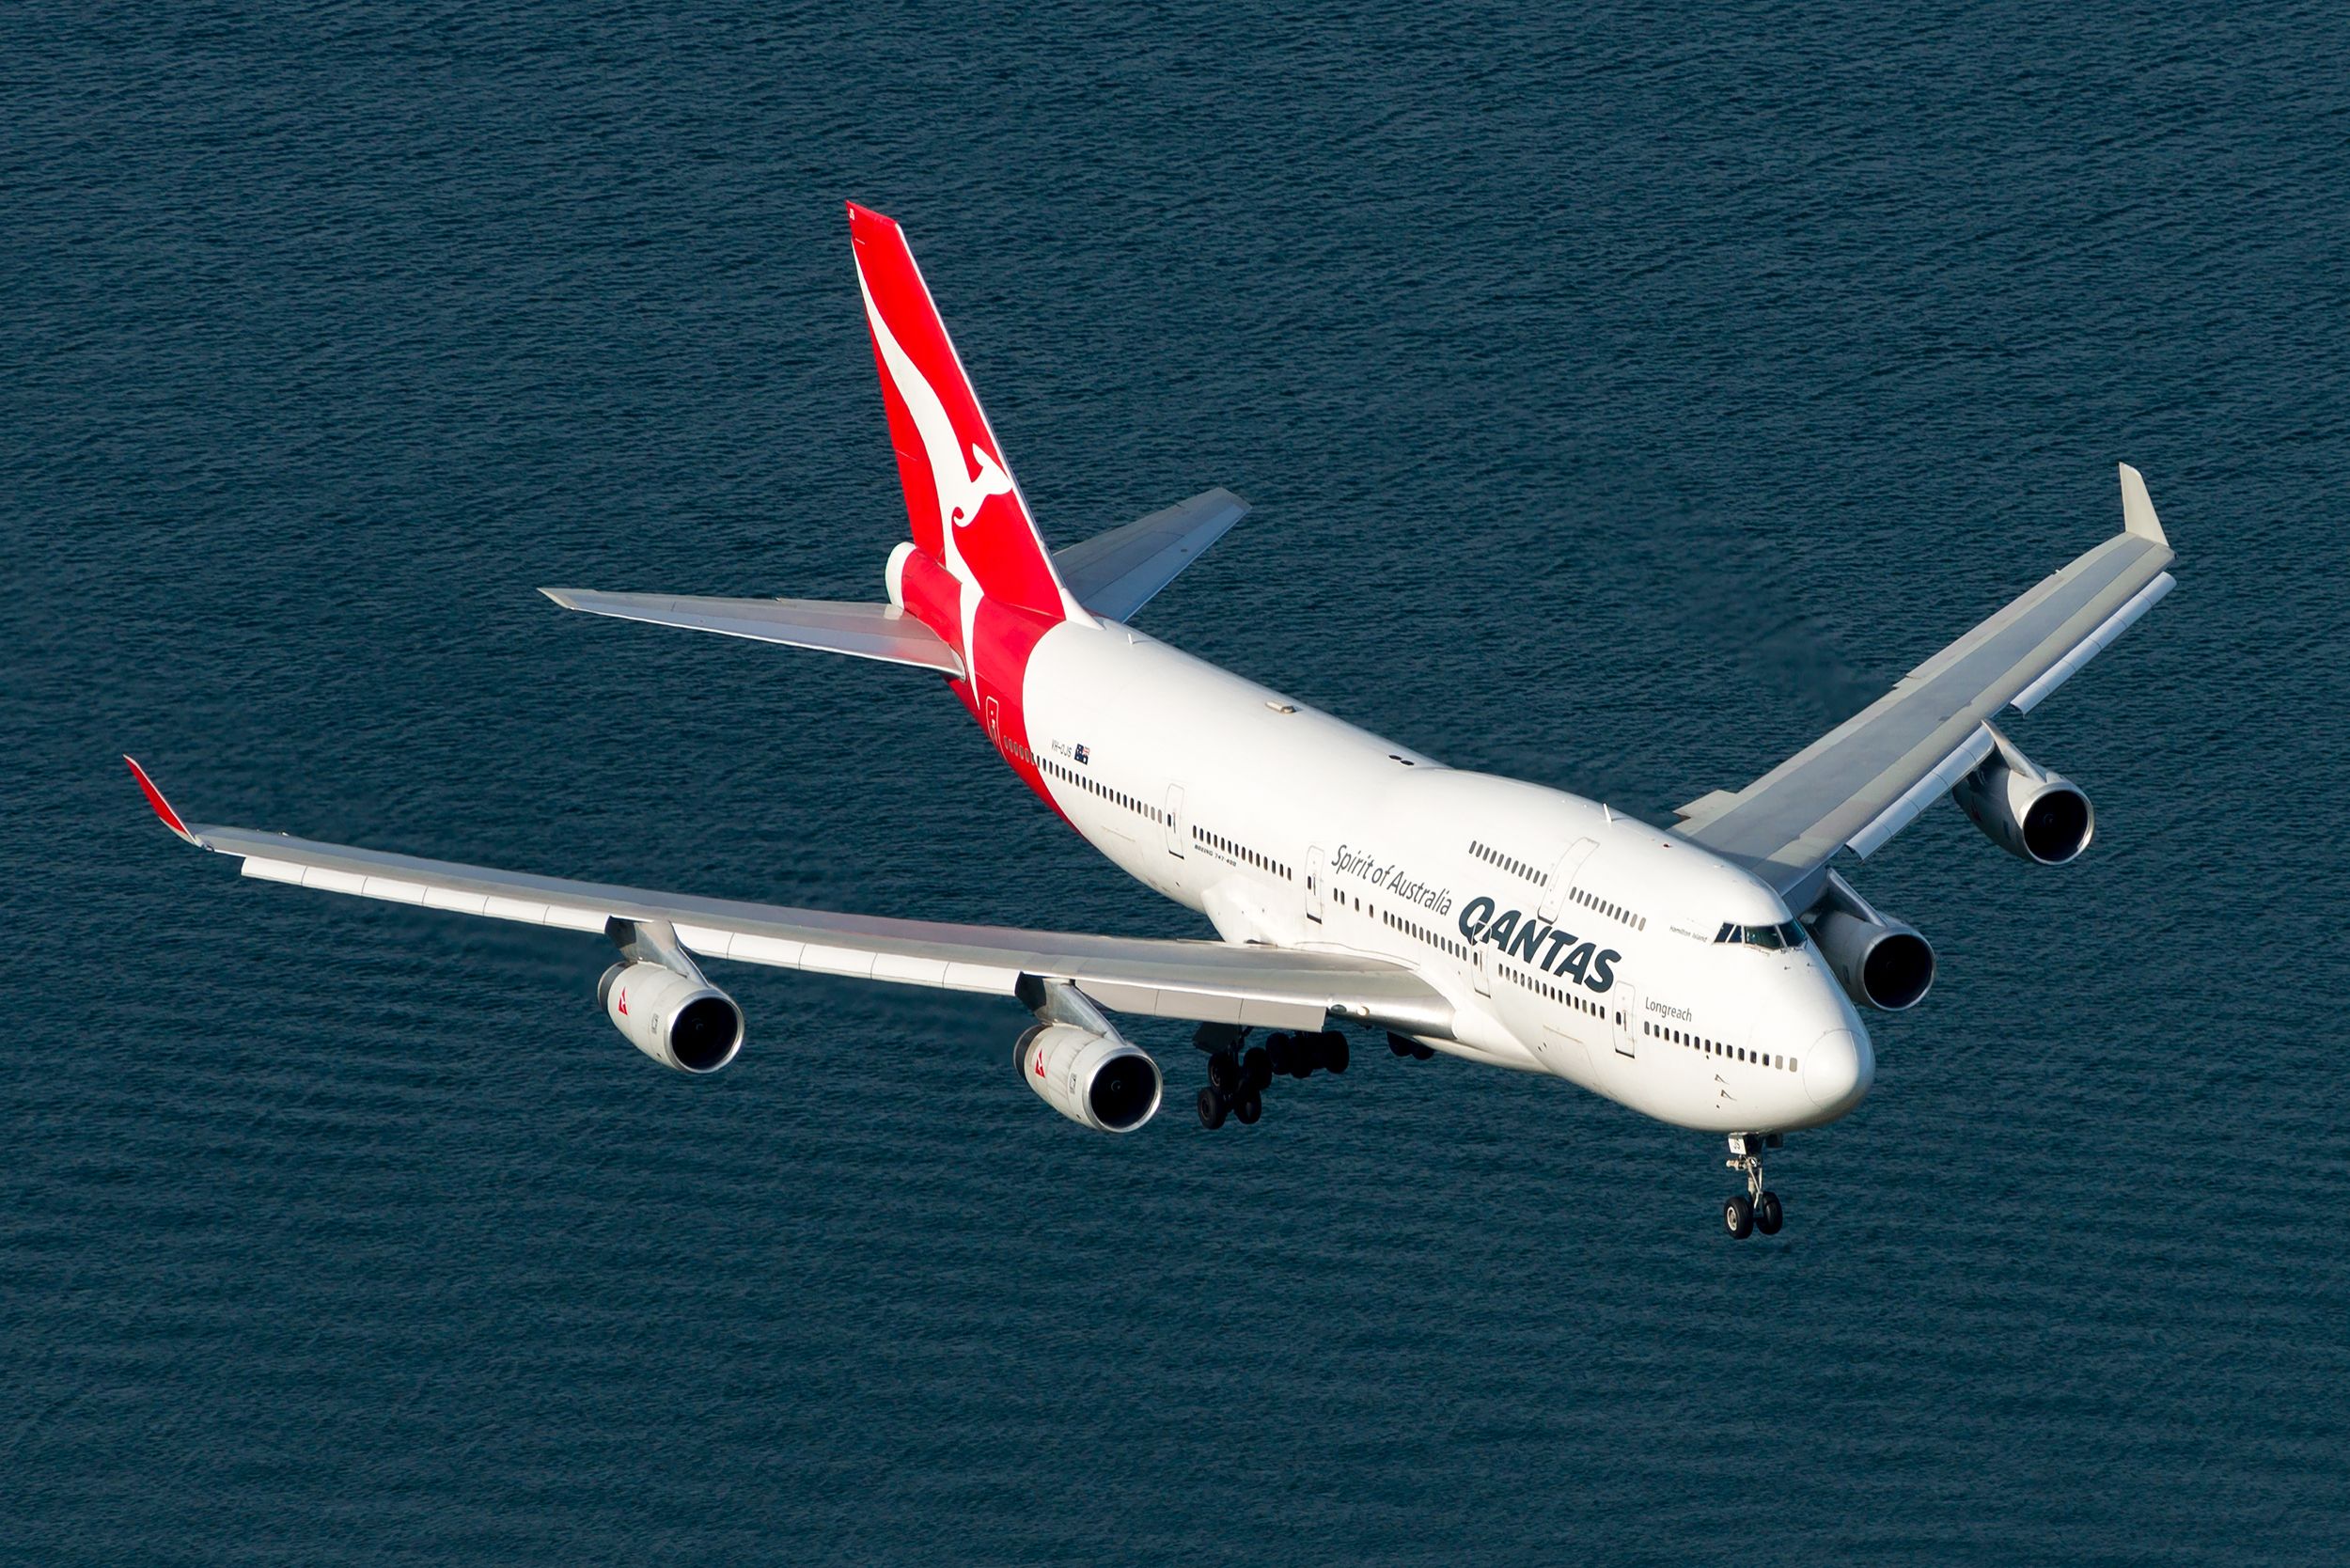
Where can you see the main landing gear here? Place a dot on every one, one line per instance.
(1758, 1209)
(1237, 1079)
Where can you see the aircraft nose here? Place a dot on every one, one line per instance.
(1838, 1069)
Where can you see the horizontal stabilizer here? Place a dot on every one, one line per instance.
(881, 632)
(1115, 573)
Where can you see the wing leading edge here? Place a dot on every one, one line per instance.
(1868, 778)
(1207, 981)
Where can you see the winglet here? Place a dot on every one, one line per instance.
(2137, 509)
(163, 807)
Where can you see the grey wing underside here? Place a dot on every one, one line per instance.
(1208, 981)
(1115, 573)
(1863, 781)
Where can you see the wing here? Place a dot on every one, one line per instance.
(1863, 781)
(881, 632)
(1112, 575)
(1210, 981)
(1115, 573)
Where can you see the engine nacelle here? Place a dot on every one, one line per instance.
(681, 1021)
(1883, 963)
(1096, 1080)
(2035, 816)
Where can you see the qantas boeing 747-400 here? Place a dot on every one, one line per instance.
(1710, 973)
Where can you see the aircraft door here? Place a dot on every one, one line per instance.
(1177, 827)
(1626, 1004)
(1562, 876)
(1315, 875)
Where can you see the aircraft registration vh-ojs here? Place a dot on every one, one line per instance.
(1710, 973)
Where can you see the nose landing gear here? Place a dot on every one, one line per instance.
(1237, 1079)
(1758, 1208)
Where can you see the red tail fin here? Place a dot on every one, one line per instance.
(967, 513)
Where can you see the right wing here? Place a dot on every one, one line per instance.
(1208, 982)
(1115, 573)
(1868, 778)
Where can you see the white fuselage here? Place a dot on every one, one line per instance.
(1569, 940)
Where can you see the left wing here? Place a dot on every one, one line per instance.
(1867, 779)
(1208, 981)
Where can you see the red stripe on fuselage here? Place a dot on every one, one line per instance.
(997, 666)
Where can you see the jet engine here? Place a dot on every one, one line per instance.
(681, 1021)
(1096, 1080)
(1882, 962)
(2034, 815)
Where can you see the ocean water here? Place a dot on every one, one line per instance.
(1625, 395)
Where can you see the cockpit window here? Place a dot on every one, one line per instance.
(1775, 938)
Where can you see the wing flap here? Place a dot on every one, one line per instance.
(2097, 643)
(1946, 775)
(1115, 573)
(882, 632)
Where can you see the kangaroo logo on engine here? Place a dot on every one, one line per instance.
(1533, 940)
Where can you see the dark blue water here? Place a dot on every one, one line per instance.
(1624, 399)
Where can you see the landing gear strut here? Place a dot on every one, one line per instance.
(1237, 1079)
(1758, 1208)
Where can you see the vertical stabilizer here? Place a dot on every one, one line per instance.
(966, 512)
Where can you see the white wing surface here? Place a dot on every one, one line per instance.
(1208, 981)
(1866, 779)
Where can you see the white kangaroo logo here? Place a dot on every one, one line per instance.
(988, 480)
(961, 492)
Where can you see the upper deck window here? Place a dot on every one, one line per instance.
(1776, 938)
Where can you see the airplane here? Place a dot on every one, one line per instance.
(1710, 973)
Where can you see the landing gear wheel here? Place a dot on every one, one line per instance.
(1223, 1072)
(1333, 1052)
(1421, 1053)
(1213, 1107)
(1400, 1046)
(1760, 1206)
(1276, 1054)
(1249, 1107)
(1256, 1069)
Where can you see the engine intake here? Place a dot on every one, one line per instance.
(681, 1021)
(1881, 962)
(1096, 1080)
(2033, 815)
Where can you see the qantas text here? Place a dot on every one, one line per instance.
(1553, 949)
